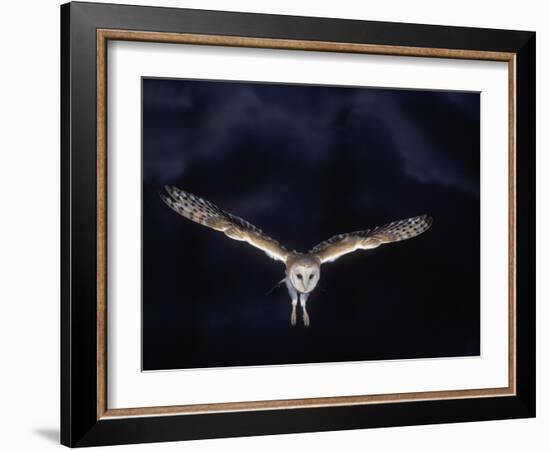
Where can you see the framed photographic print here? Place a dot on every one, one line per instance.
(276, 224)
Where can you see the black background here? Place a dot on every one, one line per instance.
(304, 163)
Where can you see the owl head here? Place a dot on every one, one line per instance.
(304, 273)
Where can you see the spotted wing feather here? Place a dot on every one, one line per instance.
(341, 244)
(208, 214)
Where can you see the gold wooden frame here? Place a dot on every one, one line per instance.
(103, 36)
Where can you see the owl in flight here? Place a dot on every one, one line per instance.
(303, 270)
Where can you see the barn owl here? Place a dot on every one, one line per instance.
(303, 270)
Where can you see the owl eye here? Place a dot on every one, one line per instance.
(310, 276)
(299, 276)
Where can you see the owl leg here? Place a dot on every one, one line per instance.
(303, 301)
(294, 297)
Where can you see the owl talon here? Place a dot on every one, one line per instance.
(293, 318)
(306, 319)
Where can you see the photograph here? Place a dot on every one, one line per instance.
(305, 224)
(284, 222)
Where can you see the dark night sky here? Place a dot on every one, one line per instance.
(304, 163)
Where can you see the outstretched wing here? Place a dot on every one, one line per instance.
(206, 213)
(339, 245)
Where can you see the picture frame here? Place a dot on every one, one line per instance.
(86, 30)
